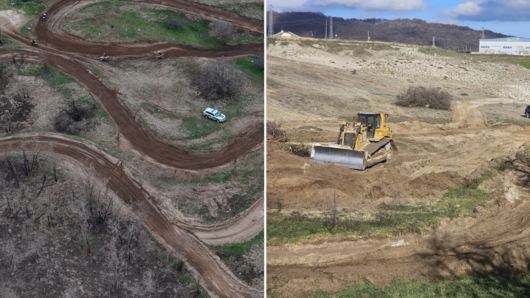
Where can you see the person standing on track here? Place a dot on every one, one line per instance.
(43, 16)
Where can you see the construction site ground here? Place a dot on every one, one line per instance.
(453, 202)
(193, 196)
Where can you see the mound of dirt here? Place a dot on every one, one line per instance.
(438, 181)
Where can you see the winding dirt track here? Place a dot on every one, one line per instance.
(56, 38)
(179, 238)
(216, 278)
(242, 228)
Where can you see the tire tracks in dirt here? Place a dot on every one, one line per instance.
(239, 229)
(55, 37)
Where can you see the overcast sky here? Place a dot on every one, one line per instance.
(510, 17)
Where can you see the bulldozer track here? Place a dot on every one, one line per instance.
(64, 52)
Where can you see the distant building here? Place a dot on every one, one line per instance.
(283, 34)
(507, 45)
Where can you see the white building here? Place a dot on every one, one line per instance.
(507, 45)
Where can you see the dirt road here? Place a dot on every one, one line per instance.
(239, 229)
(55, 37)
(61, 52)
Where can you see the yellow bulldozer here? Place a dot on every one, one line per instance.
(366, 143)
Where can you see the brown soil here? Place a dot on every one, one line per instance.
(432, 158)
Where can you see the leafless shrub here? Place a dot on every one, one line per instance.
(5, 122)
(70, 120)
(175, 23)
(331, 218)
(115, 265)
(5, 78)
(222, 31)
(217, 79)
(149, 286)
(274, 129)
(432, 98)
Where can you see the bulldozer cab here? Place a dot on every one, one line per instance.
(371, 121)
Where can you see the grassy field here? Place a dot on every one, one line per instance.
(111, 21)
(237, 249)
(197, 127)
(491, 285)
(249, 65)
(390, 219)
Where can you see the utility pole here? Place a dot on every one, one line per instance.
(368, 35)
(331, 27)
(433, 42)
(271, 24)
(326, 30)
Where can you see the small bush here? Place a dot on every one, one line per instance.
(72, 119)
(223, 31)
(274, 129)
(259, 63)
(217, 79)
(176, 23)
(432, 98)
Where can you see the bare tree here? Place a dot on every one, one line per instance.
(114, 264)
(149, 286)
(217, 79)
(332, 215)
(221, 30)
(5, 122)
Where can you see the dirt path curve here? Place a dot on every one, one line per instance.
(142, 139)
(55, 37)
(241, 228)
(205, 266)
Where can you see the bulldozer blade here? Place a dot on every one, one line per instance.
(340, 157)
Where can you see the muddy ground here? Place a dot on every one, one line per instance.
(311, 90)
